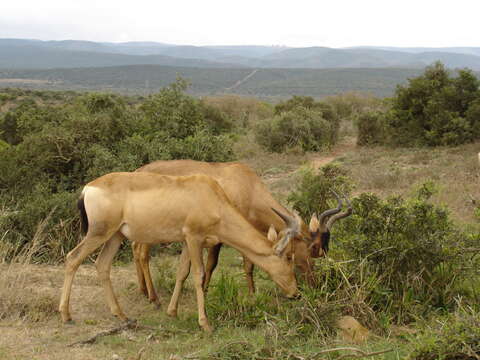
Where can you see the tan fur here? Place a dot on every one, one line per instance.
(252, 199)
(151, 208)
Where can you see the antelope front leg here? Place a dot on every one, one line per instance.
(145, 264)
(194, 243)
(248, 267)
(182, 273)
(136, 250)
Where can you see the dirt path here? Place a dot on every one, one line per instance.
(340, 149)
(318, 159)
(241, 81)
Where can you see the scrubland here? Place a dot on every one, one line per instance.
(404, 264)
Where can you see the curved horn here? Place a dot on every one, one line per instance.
(291, 222)
(326, 213)
(282, 243)
(293, 229)
(336, 217)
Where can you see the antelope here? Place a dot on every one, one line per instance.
(153, 208)
(253, 200)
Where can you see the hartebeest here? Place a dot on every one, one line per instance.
(251, 197)
(152, 208)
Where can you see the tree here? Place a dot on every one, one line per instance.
(432, 108)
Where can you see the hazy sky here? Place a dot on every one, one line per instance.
(333, 23)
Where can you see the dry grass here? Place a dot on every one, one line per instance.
(455, 171)
(17, 301)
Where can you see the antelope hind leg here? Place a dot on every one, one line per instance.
(104, 265)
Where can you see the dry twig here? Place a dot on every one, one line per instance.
(126, 326)
(360, 353)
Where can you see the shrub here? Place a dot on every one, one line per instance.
(407, 255)
(314, 190)
(52, 151)
(243, 111)
(302, 127)
(202, 146)
(455, 337)
(414, 248)
(308, 316)
(3, 145)
(351, 104)
(432, 110)
(98, 102)
(371, 128)
(306, 102)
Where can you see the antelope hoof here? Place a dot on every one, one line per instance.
(156, 303)
(66, 318)
(154, 300)
(207, 328)
(121, 317)
(131, 322)
(172, 312)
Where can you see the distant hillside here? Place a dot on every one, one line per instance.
(142, 79)
(457, 50)
(39, 57)
(35, 54)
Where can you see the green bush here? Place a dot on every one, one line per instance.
(371, 128)
(405, 257)
(455, 337)
(50, 151)
(433, 109)
(349, 105)
(414, 248)
(300, 127)
(308, 316)
(3, 145)
(314, 190)
(202, 146)
(98, 102)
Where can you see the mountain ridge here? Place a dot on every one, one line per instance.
(31, 54)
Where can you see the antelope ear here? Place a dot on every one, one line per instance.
(272, 234)
(314, 224)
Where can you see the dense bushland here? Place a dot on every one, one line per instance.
(50, 151)
(52, 143)
(433, 109)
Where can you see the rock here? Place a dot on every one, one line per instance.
(351, 330)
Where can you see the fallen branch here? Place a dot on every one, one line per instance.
(130, 325)
(361, 353)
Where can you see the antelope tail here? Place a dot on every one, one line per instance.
(83, 215)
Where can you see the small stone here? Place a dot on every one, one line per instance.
(352, 330)
(116, 357)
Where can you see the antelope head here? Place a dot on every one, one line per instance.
(284, 250)
(320, 227)
(291, 231)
